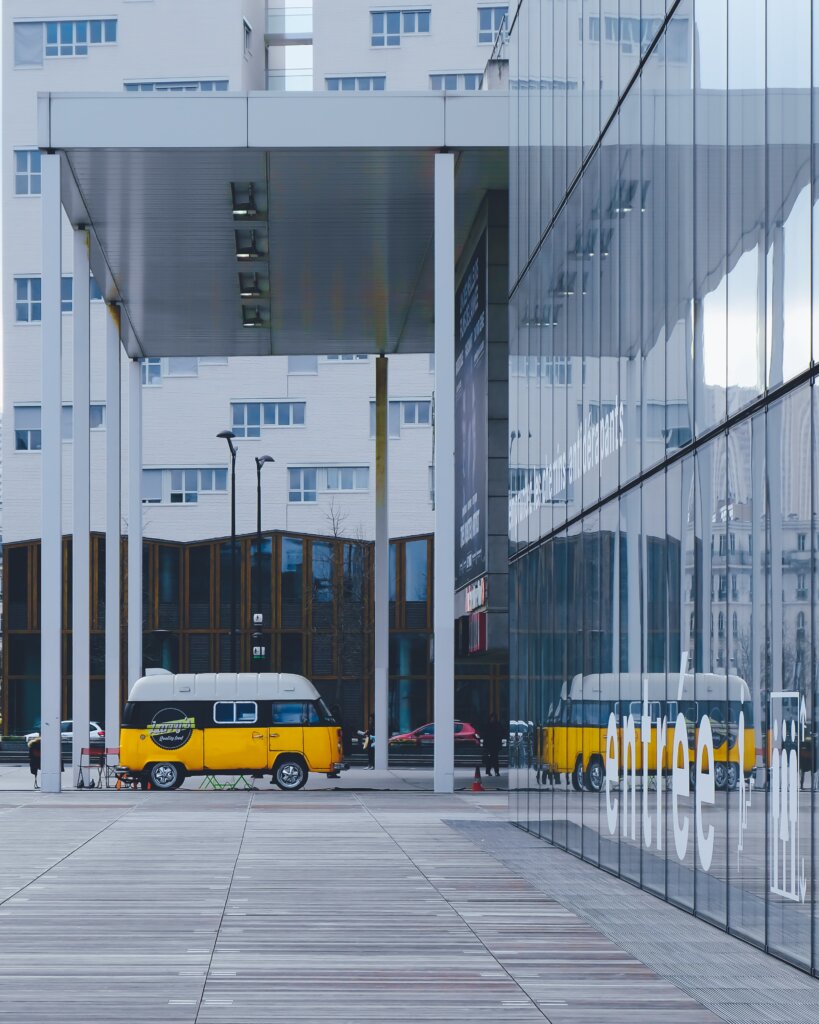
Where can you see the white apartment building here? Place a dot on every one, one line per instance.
(313, 415)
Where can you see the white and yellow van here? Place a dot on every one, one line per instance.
(227, 723)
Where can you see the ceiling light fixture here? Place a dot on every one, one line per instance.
(253, 319)
(248, 209)
(249, 286)
(251, 252)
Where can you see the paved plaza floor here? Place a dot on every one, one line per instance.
(372, 900)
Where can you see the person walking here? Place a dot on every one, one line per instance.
(34, 759)
(492, 741)
(368, 742)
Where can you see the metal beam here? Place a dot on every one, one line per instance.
(444, 595)
(134, 521)
(382, 563)
(81, 533)
(51, 589)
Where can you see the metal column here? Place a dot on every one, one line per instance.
(81, 533)
(382, 563)
(134, 521)
(113, 525)
(444, 566)
(51, 588)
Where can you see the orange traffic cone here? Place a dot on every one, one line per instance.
(477, 786)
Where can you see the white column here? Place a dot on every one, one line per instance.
(81, 539)
(382, 564)
(444, 595)
(134, 522)
(51, 604)
(113, 526)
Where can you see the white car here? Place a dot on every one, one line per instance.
(96, 732)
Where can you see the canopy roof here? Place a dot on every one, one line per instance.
(338, 224)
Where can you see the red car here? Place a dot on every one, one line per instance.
(464, 733)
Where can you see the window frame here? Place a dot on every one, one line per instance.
(28, 174)
(495, 29)
(235, 720)
(386, 34)
(29, 301)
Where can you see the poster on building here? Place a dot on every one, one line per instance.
(471, 420)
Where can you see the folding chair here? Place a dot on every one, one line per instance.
(110, 762)
(91, 760)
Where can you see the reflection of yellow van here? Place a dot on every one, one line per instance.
(575, 738)
(227, 723)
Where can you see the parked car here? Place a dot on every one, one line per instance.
(96, 732)
(425, 734)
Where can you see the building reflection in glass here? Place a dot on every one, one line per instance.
(664, 485)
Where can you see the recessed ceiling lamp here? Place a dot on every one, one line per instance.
(249, 286)
(246, 209)
(249, 252)
(253, 319)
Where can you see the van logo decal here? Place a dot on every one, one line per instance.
(171, 728)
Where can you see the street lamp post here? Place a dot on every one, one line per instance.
(228, 435)
(260, 461)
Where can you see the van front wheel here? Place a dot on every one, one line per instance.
(166, 775)
(290, 773)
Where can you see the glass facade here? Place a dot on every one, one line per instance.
(664, 481)
(315, 596)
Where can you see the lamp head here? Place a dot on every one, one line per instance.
(262, 459)
(228, 435)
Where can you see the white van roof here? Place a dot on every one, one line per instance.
(162, 685)
(629, 686)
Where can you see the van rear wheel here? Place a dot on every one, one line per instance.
(290, 773)
(577, 775)
(166, 775)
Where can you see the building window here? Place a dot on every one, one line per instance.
(389, 26)
(735, 625)
(347, 478)
(415, 414)
(248, 418)
(28, 300)
(94, 291)
(490, 22)
(60, 38)
(346, 358)
(801, 586)
(27, 173)
(67, 294)
(187, 85)
(302, 484)
(28, 435)
(800, 626)
(183, 366)
(151, 372)
(248, 36)
(181, 486)
(800, 541)
(432, 486)
(96, 419)
(302, 364)
(356, 83)
(469, 81)
(28, 424)
(305, 482)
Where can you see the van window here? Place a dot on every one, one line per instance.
(289, 713)
(313, 717)
(233, 712)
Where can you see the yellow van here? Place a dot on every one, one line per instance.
(575, 734)
(227, 723)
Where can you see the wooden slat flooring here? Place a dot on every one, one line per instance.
(236, 908)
